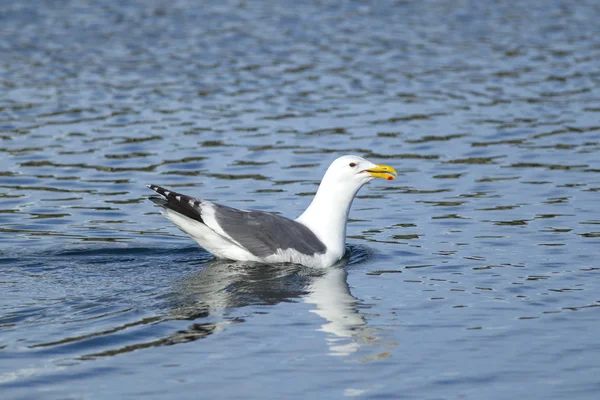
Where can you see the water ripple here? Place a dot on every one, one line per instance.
(483, 249)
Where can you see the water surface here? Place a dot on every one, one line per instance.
(473, 275)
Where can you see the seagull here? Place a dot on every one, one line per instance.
(314, 239)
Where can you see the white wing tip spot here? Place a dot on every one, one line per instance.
(167, 193)
(178, 198)
(191, 203)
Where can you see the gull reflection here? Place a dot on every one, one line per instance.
(226, 292)
(335, 304)
(221, 289)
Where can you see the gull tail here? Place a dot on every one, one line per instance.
(180, 203)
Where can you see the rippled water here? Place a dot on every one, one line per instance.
(474, 275)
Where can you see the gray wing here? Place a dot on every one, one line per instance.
(259, 232)
(263, 233)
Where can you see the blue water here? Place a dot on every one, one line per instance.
(474, 275)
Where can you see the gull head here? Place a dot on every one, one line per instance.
(327, 214)
(356, 171)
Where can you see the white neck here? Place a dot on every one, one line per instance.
(328, 213)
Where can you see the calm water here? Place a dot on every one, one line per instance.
(475, 275)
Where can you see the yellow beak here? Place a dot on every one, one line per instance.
(383, 171)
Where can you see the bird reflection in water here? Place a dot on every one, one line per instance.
(216, 296)
(223, 287)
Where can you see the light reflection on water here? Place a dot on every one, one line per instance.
(474, 274)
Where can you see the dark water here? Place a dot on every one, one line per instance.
(475, 275)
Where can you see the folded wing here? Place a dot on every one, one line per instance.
(260, 233)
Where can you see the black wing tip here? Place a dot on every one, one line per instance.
(160, 190)
(180, 203)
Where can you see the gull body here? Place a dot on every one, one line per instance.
(316, 238)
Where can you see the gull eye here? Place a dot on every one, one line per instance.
(352, 165)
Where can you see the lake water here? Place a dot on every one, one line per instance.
(474, 275)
